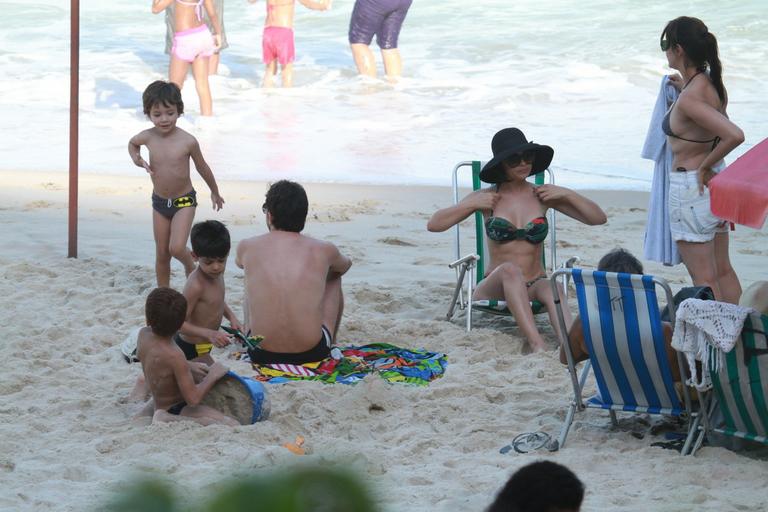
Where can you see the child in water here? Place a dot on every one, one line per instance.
(193, 44)
(277, 39)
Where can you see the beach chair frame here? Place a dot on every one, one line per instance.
(632, 358)
(740, 387)
(470, 268)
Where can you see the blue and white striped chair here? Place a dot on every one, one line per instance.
(624, 334)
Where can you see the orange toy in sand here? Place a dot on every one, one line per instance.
(295, 447)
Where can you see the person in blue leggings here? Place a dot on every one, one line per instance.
(382, 18)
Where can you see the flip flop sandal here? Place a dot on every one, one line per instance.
(528, 442)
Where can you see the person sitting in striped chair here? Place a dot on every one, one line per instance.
(617, 260)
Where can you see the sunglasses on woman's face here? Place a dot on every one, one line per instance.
(515, 160)
(665, 45)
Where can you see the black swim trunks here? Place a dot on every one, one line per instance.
(175, 409)
(168, 207)
(317, 353)
(191, 350)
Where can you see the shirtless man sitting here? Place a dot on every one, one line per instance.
(292, 283)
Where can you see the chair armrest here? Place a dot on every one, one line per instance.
(570, 262)
(474, 258)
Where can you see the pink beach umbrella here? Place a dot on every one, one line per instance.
(740, 192)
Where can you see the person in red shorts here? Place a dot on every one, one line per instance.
(277, 39)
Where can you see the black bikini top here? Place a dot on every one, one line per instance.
(667, 129)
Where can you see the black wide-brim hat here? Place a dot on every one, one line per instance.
(512, 141)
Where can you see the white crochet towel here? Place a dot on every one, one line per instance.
(700, 324)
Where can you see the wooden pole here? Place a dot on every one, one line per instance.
(74, 108)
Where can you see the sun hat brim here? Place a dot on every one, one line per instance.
(493, 171)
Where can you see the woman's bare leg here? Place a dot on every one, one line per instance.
(177, 71)
(507, 281)
(213, 64)
(541, 290)
(200, 72)
(699, 259)
(366, 64)
(730, 287)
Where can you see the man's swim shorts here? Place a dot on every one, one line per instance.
(384, 18)
(317, 353)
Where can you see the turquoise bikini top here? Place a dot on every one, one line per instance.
(500, 229)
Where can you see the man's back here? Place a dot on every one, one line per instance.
(286, 275)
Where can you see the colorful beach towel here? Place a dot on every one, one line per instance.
(393, 364)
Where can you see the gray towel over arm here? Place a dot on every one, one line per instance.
(659, 245)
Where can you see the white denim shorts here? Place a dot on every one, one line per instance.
(690, 215)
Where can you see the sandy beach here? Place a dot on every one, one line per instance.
(66, 436)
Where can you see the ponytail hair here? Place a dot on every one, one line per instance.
(700, 47)
(715, 67)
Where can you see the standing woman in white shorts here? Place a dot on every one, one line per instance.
(700, 135)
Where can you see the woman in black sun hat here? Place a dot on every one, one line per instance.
(514, 212)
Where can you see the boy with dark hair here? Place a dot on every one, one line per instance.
(620, 260)
(541, 486)
(204, 292)
(292, 283)
(167, 373)
(173, 198)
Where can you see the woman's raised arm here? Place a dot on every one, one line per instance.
(571, 203)
(448, 217)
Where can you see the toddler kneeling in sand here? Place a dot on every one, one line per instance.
(175, 395)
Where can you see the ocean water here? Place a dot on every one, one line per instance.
(579, 76)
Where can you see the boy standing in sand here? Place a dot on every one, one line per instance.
(167, 372)
(292, 283)
(173, 198)
(277, 39)
(204, 292)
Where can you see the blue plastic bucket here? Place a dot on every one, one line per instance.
(258, 396)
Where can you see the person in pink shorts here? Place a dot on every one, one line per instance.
(193, 44)
(277, 39)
